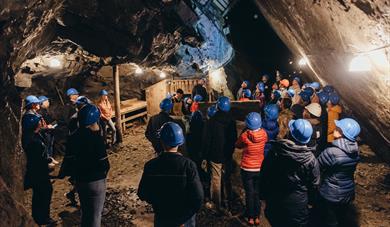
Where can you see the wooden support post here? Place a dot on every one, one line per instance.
(118, 124)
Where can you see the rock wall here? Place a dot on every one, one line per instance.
(329, 34)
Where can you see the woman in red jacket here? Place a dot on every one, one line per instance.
(252, 140)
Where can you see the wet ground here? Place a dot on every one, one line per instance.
(123, 208)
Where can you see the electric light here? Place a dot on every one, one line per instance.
(302, 62)
(163, 75)
(138, 70)
(55, 63)
(360, 63)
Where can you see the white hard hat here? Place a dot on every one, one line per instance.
(314, 108)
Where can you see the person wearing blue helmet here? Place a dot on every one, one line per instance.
(334, 112)
(211, 111)
(32, 104)
(155, 123)
(328, 89)
(171, 183)
(259, 94)
(195, 103)
(194, 137)
(323, 98)
(316, 86)
(107, 113)
(89, 166)
(267, 86)
(252, 140)
(200, 89)
(240, 92)
(219, 136)
(338, 163)
(275, 97)
(246, 95)
(72, 94)
(289, 173)
(270, 124)
(37, 175)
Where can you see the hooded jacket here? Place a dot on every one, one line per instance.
(152, 130)
(289, 172)
(219, 136)
(272, 129)
(338, 164)
(333, 114)
(253, 143)
(316, 136)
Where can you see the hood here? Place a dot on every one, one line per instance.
(336, 108)
(256, 136)
(298, 153)
(270, 125)
(347, 146)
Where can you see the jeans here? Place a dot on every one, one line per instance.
(111, 125)
(92, 196)
(250, 181)
(158, 222)
(220, 187)
(50, 145)
(41, 199)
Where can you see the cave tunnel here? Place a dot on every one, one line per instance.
(141, 51)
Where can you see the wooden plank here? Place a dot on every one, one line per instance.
(154, 95)
(117, 102)
(128, 102)
(136, 106)
(135, 116)
(238, 109)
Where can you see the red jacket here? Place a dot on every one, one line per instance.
(253, 143)
(194, 107)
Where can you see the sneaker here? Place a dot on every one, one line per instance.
(251, 221)
(257, 221)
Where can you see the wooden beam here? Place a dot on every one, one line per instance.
(118, 124)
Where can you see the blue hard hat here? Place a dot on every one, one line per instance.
(350, 128)
(247, 93)
(43, 98)
(277, 94)
(309, 90)
(103, 92)
(246, 82)
(334, 98)
(271, 111)
(82, 100)
(328, 89)
(211, 111)
(305, 96)
(323, 96)
(171, 134)
(253, 121)
(291, 92)
(301, 130)
(88, 115)
(31, 99)
(306, 85)
(223, 103)
(30, 121)
(297, 79)
(316, 86)
(198, 98)
(260, 86)
(71, 91)
(166, 104)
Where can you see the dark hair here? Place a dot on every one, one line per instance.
(286, 103)
(179, 91)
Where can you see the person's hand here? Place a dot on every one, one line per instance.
(50, 126)
(204, 165)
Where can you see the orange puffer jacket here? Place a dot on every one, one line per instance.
(253, 143)
(333, 114)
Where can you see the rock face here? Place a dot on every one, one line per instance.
(329, 34)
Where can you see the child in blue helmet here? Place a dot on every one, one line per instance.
(259, 94)
(244, 85)
(338, 163)
(246, 95)
(270, 125)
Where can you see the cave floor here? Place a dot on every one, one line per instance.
(123, 208)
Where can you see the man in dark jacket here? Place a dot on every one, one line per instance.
(171, 183)
(312, 113)
(288, 173)
(90, 166)
(219, 138)
(155, 123)
(270, 125)
(324, 98)
(338, 164)
(37, 170)
(200, 89)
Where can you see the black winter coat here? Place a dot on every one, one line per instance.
(37, 169)
(171, 184)
(89, 160)
(338, 164)
(194, 139)
(200, 90)
(154, 125)
(288, 173)
(219, 137)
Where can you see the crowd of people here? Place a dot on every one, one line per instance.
(298, 156)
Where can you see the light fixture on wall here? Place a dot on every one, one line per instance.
(365, 60)
(163, 74)
(139, 70)
(360, 63)
(302, 61)
(55, 63)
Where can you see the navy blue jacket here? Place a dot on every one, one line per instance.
(272, 129)
(338, 164)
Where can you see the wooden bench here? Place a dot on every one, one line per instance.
(132, 109)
